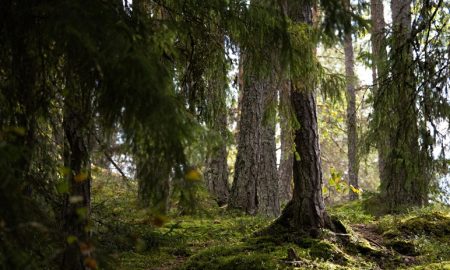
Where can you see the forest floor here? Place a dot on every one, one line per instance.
(214, 238)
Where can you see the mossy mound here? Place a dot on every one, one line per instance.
(235, 257)
(267, 252)
(423, 234)
(435, 224)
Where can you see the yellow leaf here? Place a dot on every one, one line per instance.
(193, 175)
(82, 176)
(356, 190)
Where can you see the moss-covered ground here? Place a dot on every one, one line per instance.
(214, 238)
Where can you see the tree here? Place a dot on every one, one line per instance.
(77, 202)
(306, 211)
(379, 58)
(255, 179)
(216, 174)
(255, 185)
(405, 182)
(352, 144)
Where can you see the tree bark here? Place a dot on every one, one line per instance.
(216, 174)
(379, 58)
(306, 211)
(255, 185)
(287, 144)
(352, 135)
(406, 184)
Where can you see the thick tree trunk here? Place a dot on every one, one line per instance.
(76, 208)
(306, 211)
(287, 144)
(255, 185)
(406, 184)
(379, 59)
(352, 135)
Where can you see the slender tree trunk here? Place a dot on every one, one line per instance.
(216, 174)
(352, 135)
(306, 211)
(267, 183)
(287, 144)
(255, 184)
(76, 207)
(379, 72)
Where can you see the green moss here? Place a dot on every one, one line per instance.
(354, 212)
(235, 257)
(219, 239)
(433, 266)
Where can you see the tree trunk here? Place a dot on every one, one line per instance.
(287, 145)
(352, 135)
(306, 211)
(379, 59)
(255, 184)
(216, 174)
(76, 207)
(267, 183)
(406, 184)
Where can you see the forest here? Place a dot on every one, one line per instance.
(224, 134)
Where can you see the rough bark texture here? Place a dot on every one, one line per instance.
(267, 182)
(306, 211)
(286, 166)
(255, 185)
(352, 135)
(406, 184)
(378, 70)
(216, 174)
(76, 207)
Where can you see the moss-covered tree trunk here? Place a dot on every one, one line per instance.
(406, 184)
(352, 134)
(379, 59)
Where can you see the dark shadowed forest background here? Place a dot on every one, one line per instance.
(224, 134)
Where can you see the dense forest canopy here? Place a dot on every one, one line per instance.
(313, 128)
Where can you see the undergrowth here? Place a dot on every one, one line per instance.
(215, 238)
